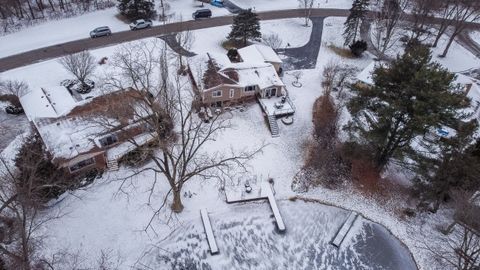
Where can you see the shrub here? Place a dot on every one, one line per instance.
(358, 47)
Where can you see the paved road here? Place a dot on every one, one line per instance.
(466, 41)
(59, 50)
(62, 49)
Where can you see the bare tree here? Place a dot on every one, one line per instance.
(387, 22)
(307, 5)
(461, 243)
(446, 10)
(22, 197)
(13, 87)
(464, 11)
(421, 11)
(182, 149)
(81, 65)
(273, 40)
(12, 90)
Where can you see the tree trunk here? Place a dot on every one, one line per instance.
(51, 5)
(177, 205)
(439, 35)
(31, 10)
(450, 41)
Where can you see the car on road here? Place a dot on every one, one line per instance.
(100, 32)
(202, 13)
(140, 24)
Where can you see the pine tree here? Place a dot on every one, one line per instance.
(245, 26)
(408, 98)
(451, 164)
(137, 9)
(352, 24)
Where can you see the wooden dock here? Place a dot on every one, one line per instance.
(209, 232)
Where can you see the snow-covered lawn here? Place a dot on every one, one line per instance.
(54, 32)
(289, 4)
(458, 58)
(293, 32)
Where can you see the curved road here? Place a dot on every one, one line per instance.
(26, 58)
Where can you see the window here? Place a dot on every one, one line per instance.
(217, 93)
(81, 164)
(109, 140)
(232, 93)
(250, 88)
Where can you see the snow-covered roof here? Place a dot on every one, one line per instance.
(67, 138)
(256, 69)
(77, 131)
(366, 75)
(258, 53)
(47, 102)
(263, 75)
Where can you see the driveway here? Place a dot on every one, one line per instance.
(305, 57)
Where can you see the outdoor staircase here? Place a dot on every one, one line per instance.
(112, 165)
(272, 122)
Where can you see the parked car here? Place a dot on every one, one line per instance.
(217, 3)
(140, 24)
(100, 31)
(10, 109)
(202, 13)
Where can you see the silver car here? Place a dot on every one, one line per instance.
(100, 31)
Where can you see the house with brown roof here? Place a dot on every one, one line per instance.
(90, 134)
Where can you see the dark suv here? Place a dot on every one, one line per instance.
(202, 13)
(100, 31)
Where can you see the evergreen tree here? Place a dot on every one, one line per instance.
(451, 164)
(37, 173)
(137, 9)
(352, 24)
(245, 26)
(408, 98)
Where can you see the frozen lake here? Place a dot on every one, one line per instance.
(247, 239)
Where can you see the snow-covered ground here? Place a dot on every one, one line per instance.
(293, 32)
(54, 32)
(102, 219)
(289, 4)
(475, 35)
(458, 58)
